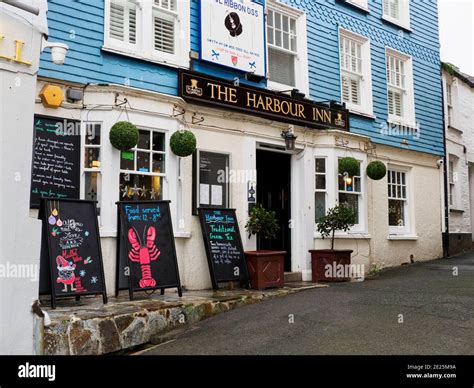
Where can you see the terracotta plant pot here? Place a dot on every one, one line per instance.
(321, 258)
(266, 269)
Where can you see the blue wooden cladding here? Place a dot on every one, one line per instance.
(80, 24)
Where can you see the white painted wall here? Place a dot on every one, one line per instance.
(460, 144)
(18, 245)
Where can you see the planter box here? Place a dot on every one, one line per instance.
(266, 268)
(320, 258)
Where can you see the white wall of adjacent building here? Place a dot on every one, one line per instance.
(19, 246)
(459, 117)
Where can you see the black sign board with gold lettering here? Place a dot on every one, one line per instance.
(204, 89)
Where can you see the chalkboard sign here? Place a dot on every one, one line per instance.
(70, 250)
(225, 253)
(146, 251)
(55, 170)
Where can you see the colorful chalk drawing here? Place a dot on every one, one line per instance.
(144, 252)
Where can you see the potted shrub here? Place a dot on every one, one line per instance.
(324, 262)
(265, 267)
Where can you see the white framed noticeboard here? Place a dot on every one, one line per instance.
(233, 34)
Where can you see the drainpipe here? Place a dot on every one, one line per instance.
(445, 176)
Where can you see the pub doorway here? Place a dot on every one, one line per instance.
(274, 193)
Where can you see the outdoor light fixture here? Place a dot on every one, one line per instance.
(58, 50)
(290, 138)
(295, 93)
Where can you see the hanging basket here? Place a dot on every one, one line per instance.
(123, 135)
(183, 143)
(348, 165)
(376, 170)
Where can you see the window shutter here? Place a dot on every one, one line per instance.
(385, 7)
(123, 21)
(282, 67)
(117, 21)
(355, 91)
(395, 101)
(164, 34)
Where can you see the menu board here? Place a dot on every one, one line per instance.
(146, 253)
(225, 253)
(71, 256)
(212, 188)
(55, 171)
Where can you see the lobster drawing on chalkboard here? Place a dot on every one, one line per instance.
(144, 252)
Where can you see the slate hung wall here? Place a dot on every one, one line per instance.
(80, 24)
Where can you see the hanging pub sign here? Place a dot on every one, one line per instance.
(55, 171)
(211, 91)
(146, 253)
(223, 244)
(233, 34)
(71, 256)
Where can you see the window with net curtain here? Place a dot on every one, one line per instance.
(282, 48)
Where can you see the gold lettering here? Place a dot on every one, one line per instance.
(250, 99)
(269, 106)
(213, 86)
(317, 115)
(233, 95)
(277, 103)
(260, 102)
(294, 109)
(327, 117)
(301, 111)
(221, 94)
(283, 104)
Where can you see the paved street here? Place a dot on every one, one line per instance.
(437, 309)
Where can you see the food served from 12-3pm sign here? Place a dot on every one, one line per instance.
(203, 89)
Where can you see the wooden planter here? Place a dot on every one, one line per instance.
(266, 268)
(320, 258)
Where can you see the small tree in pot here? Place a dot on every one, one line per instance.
(324, 262)
(266, 268)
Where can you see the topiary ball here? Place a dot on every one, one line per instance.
(183, 143)
(376, 170)
(349, 165)
(123, 135)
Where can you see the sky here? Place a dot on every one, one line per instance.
(456, 24)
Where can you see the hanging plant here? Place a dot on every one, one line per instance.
(376, 170)
(123, 135)
(183, 143)
(349, 165)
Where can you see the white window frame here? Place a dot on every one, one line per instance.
(319, 190)
(407, 229)
(408, 118)
(87, 170)
(135, 171)
(332, 156)
(365, 77)
(453, 167)
(449, 103)
(404, 13)
(301, 57)
(362, 4)
(144, 47)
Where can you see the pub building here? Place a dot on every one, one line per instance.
(259, 140)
